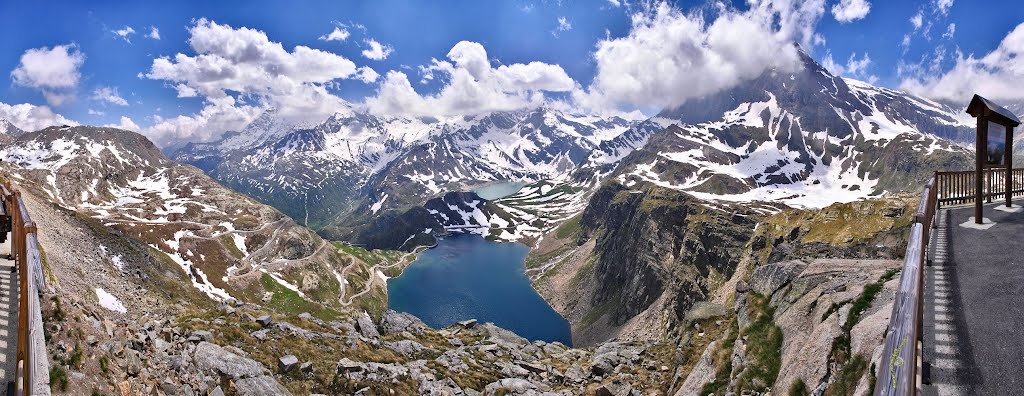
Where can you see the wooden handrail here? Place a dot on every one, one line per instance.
(31, 365)
(901, 354)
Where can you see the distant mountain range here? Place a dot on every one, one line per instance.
(806, 138)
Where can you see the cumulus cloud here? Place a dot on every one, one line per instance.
(854, 67)
(124, 33)
(108, 95)
(943, 6)
(96, 112)
(367, 74)
(338, 34)
(53, 71)
(997, 75)
(220, 114)
(244, 62)
(154, 33)
(473, 86)
(125, 123)
(30, 117)
(851, 10)
(377, 51)
(669, 56)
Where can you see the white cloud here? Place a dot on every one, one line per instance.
(473, 86)
(154, 33)
(950, 31)
(232, 63)
(377, 51)
(615, 3)
(110, 95)
(124, 33)
(999, 75)
(851, 10)
(338, 34)
(943, 6)
(53, 71)
(30, 117)
(563, 26)
(917, 20)
(669, 56)
(854, 67)
(367, 74)
(125, 123)
(96, 112)
(219, 115)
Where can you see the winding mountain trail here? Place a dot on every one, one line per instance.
(373, 271)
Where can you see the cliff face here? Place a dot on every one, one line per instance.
(645, 262)
(647, 252)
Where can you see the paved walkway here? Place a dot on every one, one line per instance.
(974, 305)
(8, 315)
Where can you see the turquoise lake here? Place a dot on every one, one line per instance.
(469, 277)
(499, 190)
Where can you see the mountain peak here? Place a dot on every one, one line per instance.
(9, 129)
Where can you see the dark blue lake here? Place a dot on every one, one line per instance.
(469, 277)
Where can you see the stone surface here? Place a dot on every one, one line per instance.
(768, 278)
(213, 358)
(396, 322)
(286, 363)
(263, 385)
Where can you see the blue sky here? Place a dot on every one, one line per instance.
(562, 34)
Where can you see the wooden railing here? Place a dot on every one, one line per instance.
(32, 375)
(901, 357)
(957, 188)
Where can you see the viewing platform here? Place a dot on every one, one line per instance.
(955, 327)
(974, 303)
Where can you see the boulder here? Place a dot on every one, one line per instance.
(515, 386)
(769, 278)
(287, 362)
(265, 320)
(201, 335)
(133, 362)
(263, 385)
(501, 336)
(213, 358)
(346, 365)
(614, 388)
(365, 326)
(405, 347)
(469, 323)
(396, 322)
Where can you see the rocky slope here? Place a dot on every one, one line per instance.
(639, 260)
(223, 244)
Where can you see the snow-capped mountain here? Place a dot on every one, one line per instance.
(8, 131)
(806, 138)
(221, 240)
(358, 163)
